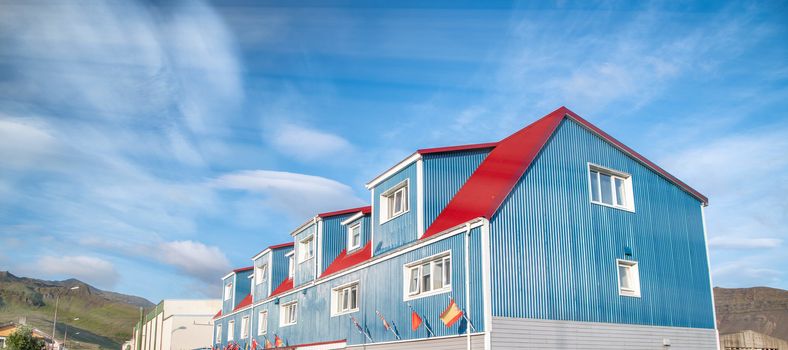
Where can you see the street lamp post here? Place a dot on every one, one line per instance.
(65, 335)
(54, 320)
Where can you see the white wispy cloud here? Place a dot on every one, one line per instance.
(194, 259)
(293, 193)
(88, 269)
(732, 242)
(309, 144)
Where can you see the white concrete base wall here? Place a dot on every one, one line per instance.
(443, 343)
(524, 333)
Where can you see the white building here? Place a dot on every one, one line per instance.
(176, 325)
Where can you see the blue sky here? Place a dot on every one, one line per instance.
(148, 148)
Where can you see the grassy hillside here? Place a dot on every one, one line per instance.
(105, 318)
(760, 309)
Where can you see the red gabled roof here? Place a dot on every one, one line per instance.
(345, 260)
(283, 245)
(218, 314)
(365, 210)
(283, 287)
(242, 269)
(457, 148)
(496, 176)
(246, 301)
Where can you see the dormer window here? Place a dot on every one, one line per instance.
(228, 291)
(354, 237)
(290, 264)
(394, 202)
(261, 274)
(306, 249)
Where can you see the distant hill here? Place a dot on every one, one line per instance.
(105, 318)
(760, 309)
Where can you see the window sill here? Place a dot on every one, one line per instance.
(306, 260)
(394, 217)
(287, 325)
(353, 249)
(631, 210)
(631, 294)
(443, 290)
(345, 312)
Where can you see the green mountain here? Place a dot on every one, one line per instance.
(105, 318)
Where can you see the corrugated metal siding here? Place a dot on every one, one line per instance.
(335, 236)
(381, 288)
(261, 290)
(565, 248)
(402, 229)
(279, 270)
(304, 271)
(243, 286)
(551, 334)
(444, 174)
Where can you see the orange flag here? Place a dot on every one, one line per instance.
(415, 320)
(278, 341)
(451, 315)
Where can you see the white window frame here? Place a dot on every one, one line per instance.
(629, 199)
(446, 279)
(261, 274)
(350, 245)
(245, 327)
(634, 274)
(291, 264)
(218, 333)
(389, 194)
(228, 291)
(304, 251)
(231, 330)
(262, 322)
(336, 295)
(284, 314)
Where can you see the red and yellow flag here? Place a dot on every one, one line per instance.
(268, 343)
(278, 341)
(451, 315)
(415, 320)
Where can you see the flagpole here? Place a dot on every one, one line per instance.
(385, 323)
(426, 326)
(360, 330)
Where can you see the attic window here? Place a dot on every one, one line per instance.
(610, 188)
(394, 202)
(354, 237)
(228, 291)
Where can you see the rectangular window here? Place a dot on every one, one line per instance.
(290, 266)
(610, 188)
(288, 314)
(394, 202)
(261, 274)
(306, 249)
(628, 278)
(262, 323)
(345, 299)
(245, 327)
(230, 330)
(429, 276)
(228, 291)
(354, 237)
(218, 333)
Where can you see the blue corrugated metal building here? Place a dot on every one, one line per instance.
(556, 237)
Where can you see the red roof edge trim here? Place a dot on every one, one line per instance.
(283, 245)
(242, 269)
(283, 287)
(218, 314)
(246, 301)
(365, 210)
(457, 148)
(344, 260)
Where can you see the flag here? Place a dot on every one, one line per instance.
(359, 328)
(385, 324)
(267, 343)
(415, 320)
(452, 314)
(278, 341)
(254, 344)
